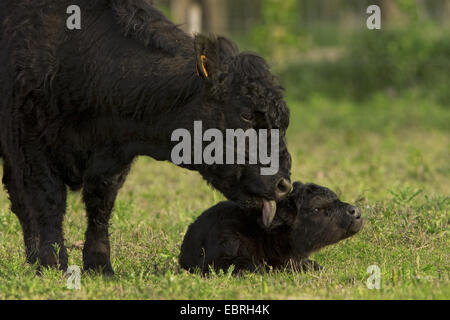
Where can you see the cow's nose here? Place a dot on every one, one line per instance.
(354, 212)
(282, 188)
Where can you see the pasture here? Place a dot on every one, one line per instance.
(388, 155)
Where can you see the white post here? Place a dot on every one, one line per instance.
(194, 18)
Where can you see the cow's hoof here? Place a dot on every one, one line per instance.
(51, 257)
(97, 262)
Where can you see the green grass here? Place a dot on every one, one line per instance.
(390, 156)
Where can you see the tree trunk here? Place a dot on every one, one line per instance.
(179, 9)
(390, 13)
(215, 16)
(200, 15)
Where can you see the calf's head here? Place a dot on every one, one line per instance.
(317, 218)
(240, 92)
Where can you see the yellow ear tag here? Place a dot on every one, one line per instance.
(202, 60)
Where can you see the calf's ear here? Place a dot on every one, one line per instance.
(298, 195)
(297, 184)
(285, 217)
(211, 52)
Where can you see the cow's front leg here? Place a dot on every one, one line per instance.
(99, 195)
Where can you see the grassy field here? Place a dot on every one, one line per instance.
(391, 156)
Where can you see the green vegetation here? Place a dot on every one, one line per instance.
(392, 61)
(324, 47)
(390, 156)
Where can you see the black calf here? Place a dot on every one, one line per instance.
(311, 218)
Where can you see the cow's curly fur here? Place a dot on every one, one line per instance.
(79, 105)
(310, 218)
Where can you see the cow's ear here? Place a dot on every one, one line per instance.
(207, 53)
(227, 48)
(211, 52)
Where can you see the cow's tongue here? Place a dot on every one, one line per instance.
(268, 212)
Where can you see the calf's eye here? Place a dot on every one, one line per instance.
(316, 210)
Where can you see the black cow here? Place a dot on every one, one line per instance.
(77, 106)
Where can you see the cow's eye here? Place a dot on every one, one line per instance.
(247, 116)
(316, 210)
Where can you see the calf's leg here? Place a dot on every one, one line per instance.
(305, 265)
(241, 264)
